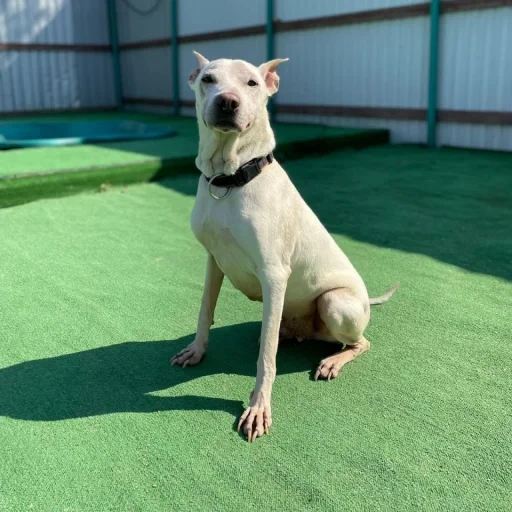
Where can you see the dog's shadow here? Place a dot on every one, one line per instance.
(120, 378)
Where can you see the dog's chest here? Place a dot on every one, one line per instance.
(215, 228)
(211, 227)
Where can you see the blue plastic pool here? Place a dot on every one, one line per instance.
(55, 133)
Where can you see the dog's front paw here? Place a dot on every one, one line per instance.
(190, 356)
(256, 420)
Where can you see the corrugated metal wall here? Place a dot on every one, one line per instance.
(146, 72)
(40, 80)
(476, 74)
(375, 65)
(385, 64)
(378, 64)
(300, 9)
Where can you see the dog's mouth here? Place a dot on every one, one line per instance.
(226, 126)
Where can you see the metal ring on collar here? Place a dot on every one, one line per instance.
(210, 188)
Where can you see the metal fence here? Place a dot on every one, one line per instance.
(437, 72)
(54, 54)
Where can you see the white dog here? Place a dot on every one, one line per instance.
(259, 232)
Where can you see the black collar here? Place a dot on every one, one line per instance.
(243, 174)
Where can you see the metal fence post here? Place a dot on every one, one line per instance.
(433, 74)
(116, 55)
(175, 59)
(270, 47)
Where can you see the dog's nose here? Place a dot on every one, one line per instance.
(227, 102)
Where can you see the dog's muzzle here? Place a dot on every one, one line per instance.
(226, 107)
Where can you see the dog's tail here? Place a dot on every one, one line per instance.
(384, 298)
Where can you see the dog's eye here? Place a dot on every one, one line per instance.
(252, 83)
(207, 79)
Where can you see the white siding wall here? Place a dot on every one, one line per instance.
(383, 64)
(145, 72)
(379, 64)
(475, 73)
(198, 16)
(133, 27)
(54, 79)
(299, 9)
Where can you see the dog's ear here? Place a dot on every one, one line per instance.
(202, 63)
(268, 72)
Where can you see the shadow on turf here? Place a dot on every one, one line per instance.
(451, 205)
(119, 378)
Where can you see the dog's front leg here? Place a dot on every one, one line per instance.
(194, 353)
(257, 418)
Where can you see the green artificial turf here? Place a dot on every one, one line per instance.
(34, 173)
(100, 290)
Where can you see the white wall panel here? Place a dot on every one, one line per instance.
(476, 74)
(401, 131)
(373, 64)
(54, 21)
(379, 64)
(37, 80)
(133, 26)
(198, 16)
(476, 60)
(56, 80)
(298, 9)
(94, 80)
(476, 136)
(147, 73)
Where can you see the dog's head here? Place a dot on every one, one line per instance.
(230, 94)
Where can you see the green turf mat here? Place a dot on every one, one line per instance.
(86, 167)
(58, 159)
(100, 290)
(50, 160)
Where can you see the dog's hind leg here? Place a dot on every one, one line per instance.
(345, 317)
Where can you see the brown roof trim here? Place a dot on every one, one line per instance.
(404, 114)
(54, 47)
(485, 117)
(156, 102)
(481, 117)
(478, 117)
(253, 30)
(473, 5)
(152, 43)
(49, 111)
(389, 13)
